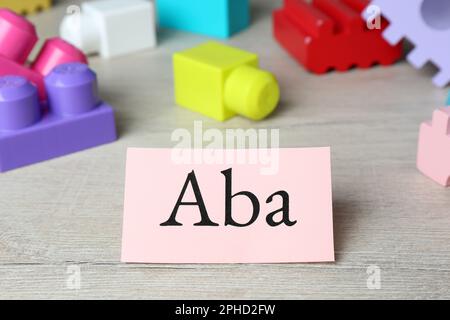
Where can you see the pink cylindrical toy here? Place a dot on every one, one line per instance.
(17, 36)
(56, 51)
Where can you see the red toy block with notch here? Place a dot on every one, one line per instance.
(330, 34)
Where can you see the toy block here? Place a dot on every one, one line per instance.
(329, 34)
(448, 99)
(17, 39)
(26, 6)
(54, 52)
(433, 158)
(9, 67)
(17, 36)
(218, 18)
(99, 27)
(221, 81)
(74, 119)
(426, 24)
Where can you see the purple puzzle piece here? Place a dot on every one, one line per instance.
(426, 23)
(75, 119)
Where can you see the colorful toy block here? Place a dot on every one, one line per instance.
(74, 119)
(221, 81)
(218, 18)
(26, 6)
(17, 39)
(448, 99)
(433, 158)
(329, 34)
(426, 23)
(17, 36)
(99, 27)
(54, 52)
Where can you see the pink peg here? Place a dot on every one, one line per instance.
(56, 51)
(17, 36)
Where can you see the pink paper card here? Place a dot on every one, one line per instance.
(228, 206)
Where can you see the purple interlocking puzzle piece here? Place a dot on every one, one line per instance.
(426, 23)
(74, 119)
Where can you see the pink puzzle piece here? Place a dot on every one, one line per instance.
(433, 158)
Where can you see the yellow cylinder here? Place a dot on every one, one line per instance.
(251, 92)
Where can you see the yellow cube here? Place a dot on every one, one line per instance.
(221, 81)
(25, 6)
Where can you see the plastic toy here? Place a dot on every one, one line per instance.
(448, 99)
(433, 158)
(221, 81)
(217, 18)
(330, 34)
(111, 27)
(73, 120)
(26, 6)
(426, 23)
(17, 39)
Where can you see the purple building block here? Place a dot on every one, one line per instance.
(73, 120)
(425, 23)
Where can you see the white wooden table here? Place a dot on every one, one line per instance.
(65, 215)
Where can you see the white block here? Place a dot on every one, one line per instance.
(111, 27)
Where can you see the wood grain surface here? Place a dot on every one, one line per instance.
(65, 214)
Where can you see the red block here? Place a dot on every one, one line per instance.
(330, 34)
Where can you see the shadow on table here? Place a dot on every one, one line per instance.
(260, 10)
(119, 104)
(345, 215)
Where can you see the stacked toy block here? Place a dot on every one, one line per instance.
(26, 6)
(216, 18)
(433, 158)
(330, 34)
(18, 37)
(74, 118)
(220, 81)
(111, 27)
(50, 108)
